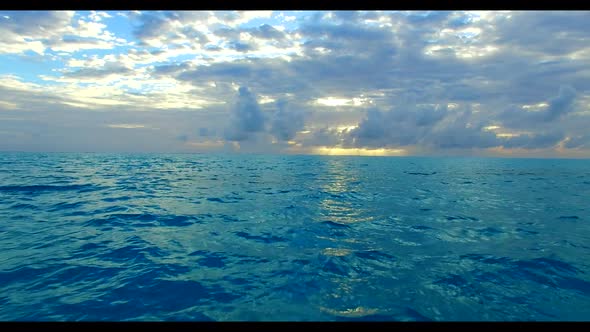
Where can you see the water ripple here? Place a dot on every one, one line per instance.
(235, 237)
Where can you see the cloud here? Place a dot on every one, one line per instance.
(581, 141)
(112, 68)
(247, 117)
(58, 31)
(72, 129)
(406, 125)
(241, 47)
(30, 31)
(152, 26)
(126, 126)
(171, 68)
(266, 31)
(461, 131)
(566, 26)
(356, 79)
(556, 108)
(534, 141)
(560, 105)
(205, 132)
(35, 24)
(286, 121)
(325, 137)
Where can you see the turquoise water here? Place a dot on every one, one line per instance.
(292, 238)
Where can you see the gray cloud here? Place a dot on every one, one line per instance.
(171, 69)
(106, 70)
(555, 33)
(247, 117)
(534, 141)
(71, 129)
(266, 31)
(34, 23)
(194, 35)
(161, 26)
(228, 33)
(398, 127)
(241, 46)
(204, 132)
(286, 121)
(151, 26)
(582, 141)
(561, 104)
(557, 107)
(461, 132)
(488, 81)
(324, 137)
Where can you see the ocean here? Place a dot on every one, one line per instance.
(222, 237)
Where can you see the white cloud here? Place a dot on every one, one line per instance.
(335, 101)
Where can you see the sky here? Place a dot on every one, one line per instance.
(474, 83)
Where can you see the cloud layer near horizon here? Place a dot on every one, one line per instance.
(293, 82)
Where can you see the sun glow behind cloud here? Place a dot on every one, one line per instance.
(335, 101)
(339, 151)
(126, 126)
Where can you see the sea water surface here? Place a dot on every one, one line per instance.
(88, 236)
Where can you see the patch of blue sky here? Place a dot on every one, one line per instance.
(29, 66)
(461, 21)
(121, 26)
(90, 53)
(288, 19)
(179, 58)
(424, 16)
(258, 22)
